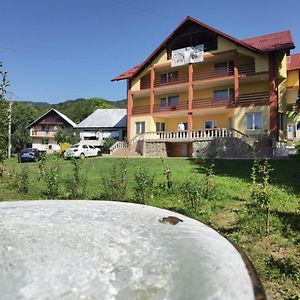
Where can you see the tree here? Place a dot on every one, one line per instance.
(66, 136)
(22, 116)
(3, 115)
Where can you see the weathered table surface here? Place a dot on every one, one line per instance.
(71, 249)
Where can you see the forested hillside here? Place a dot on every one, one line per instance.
(25, 112)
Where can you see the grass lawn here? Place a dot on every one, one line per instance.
(229, 210)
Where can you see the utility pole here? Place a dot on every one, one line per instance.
(9, 123)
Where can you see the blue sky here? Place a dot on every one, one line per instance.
(57, 50)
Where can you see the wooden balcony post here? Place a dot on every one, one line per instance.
(152, 79)
(190, 124)
(273, 99)
(191, 93)
(129, 112)
(236, 79)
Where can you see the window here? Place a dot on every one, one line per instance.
(45, 128)
(160, 126)
(139, 127)
(224, 95)
(209, 124)
(168, 77)
(170, 102)
(224, 68)
(254, 121)
(45, 141)
(298, 126)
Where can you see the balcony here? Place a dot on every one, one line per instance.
(261, 98)
(180, 78)
(46, 134)
(244, 70)
(141, 109)
(182, 105)
(213, 102)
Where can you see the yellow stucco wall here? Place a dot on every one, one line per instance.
(141, 101)
(149, 124)
(293, 78)
(282, 95)
(291, 95)
(239, 118)
(282, 63)
(254, 87)
(221, 120)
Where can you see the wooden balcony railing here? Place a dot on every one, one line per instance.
(142, 109)
(246, 69)
(212, 102)
(181, 78)
(182, 105)
(213, 73)
(42, 133)
(261, 98)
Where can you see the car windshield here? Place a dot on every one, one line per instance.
(75, 146)
(27, 150)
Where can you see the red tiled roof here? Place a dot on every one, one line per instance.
(271, 42)
(128, 74)
(293, 62)
(265, 43)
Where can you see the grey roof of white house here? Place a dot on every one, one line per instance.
(73, 124)
(105, 118)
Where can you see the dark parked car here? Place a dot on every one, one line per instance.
(29, 154)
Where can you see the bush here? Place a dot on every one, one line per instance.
(75, 185)
(115, 182)
(23, 180)
(143, 185)
(190, 190)
(52, 179)
(107, 144)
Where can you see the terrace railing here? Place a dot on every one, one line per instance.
(118, 145)
(195, 135)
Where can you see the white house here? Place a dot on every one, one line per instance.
(103, 124)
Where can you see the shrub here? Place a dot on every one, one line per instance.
(23, 180)
(52, 179)
(209, 184)
(143, 185)
(191, 192)
(76, 185)
(260, 189)
(115, 182)
(107, 144)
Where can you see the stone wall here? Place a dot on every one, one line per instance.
(222, 148)
(155, 149)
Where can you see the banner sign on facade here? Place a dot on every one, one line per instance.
(187, 55)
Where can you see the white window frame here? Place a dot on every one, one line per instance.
(213, 123)
(253, 125)
(160, 126)
(140, 127)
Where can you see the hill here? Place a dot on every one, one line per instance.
(25, 112)
(77, 109)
